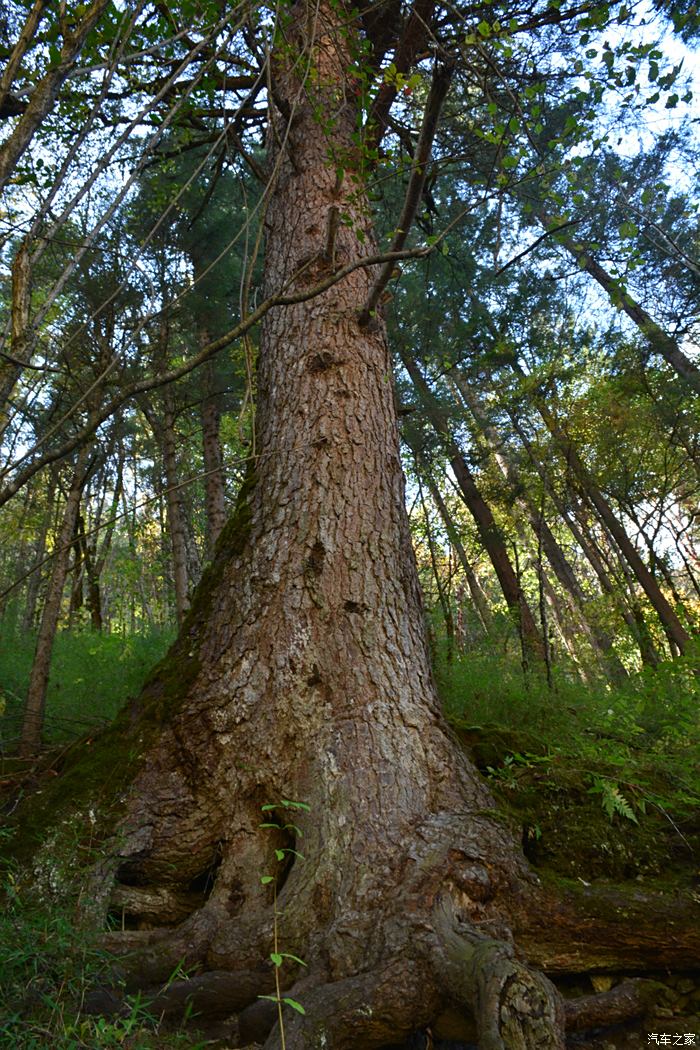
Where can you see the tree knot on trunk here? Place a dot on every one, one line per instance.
(470, 876)
(322, 360)
(315, 561)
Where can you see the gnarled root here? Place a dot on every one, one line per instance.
(627, 1001)
(368, 1010)
(515, 1008)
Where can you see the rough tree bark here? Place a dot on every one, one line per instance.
(215, 496)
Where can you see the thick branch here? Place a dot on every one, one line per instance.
(412, 42)
(438, 91)
(46, 91)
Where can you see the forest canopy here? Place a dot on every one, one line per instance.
(350, 429)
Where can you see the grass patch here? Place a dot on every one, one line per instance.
(604, 781)
(50, 965)
(91, 676)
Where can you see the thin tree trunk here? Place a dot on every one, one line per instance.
(98, 550)
(163, 429)
(93, 598)
(479, 599)
(33, 717)
(488, 530)
(580, 535)
(130, 521)
(657, 564)
(660, 342)
(674, 629)
(443, 596)
(599, 639)
(20, 337)
(34, 582)
(77, 570)
(635, 617)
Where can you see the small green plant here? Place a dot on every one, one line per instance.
(514, 764)
(612, 799)
(48, 963)
(278, 957)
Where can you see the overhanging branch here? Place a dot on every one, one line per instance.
(436, 97)
(100, 415)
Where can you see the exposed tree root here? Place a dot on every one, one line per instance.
(515, 1008)
(571, 928)
(626, 1002)
(368, 1010)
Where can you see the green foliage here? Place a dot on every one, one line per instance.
(613, 801)
(91, 676)
(48, 964)
(636, 744)
(277, 957)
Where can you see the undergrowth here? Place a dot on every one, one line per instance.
(92, 674)
(634, 747)
(49, 964)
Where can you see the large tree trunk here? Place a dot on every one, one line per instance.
(215, 496)
(302, 673)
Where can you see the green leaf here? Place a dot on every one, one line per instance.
(267, 879)
(628, 229)
(484, 28)
(294, 1005)
(276, 958)
(288, 955)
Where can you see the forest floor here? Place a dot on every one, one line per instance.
(602, 785)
